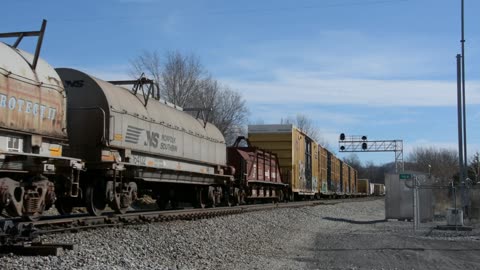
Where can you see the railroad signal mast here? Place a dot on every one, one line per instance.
(356, 143)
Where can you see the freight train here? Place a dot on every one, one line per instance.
(70, 139)
(310, 170)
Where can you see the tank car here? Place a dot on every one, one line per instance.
(133, 143)
(33, 172)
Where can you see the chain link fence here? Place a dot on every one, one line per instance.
(432, 203)
(445, 205)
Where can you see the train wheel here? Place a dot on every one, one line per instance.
(280, 196)
(119, 205)
(161, 202)
(237, 197)
(212, 196)
(64, 206)
(122, 201)
(173, 198)
(228, 200)
(201, 198)
(96, 198)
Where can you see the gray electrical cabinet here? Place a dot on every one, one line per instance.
(399, 197)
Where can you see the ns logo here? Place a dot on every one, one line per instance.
(76, 84)
(152, 139)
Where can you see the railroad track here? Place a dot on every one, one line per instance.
(18, 236)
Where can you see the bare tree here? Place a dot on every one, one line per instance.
(440, 162)
(353, 161)
(182, 77)
(148, 63)
(230, 114)
(179, 76)
(307, 126)
(184, 82)
(474, 168)
(205, 95)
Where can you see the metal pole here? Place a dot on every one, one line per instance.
(465, 172)
(39, 44)
(455, 202)
(465, 166)
(459, 113)
(416, 205)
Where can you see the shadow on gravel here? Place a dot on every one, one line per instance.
(397, 249)
(355, 221)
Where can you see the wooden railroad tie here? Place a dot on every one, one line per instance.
(37, 249)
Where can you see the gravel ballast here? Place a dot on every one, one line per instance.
(292, 238)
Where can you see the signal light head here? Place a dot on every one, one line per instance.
(342, 136)
(342, 148)
(364, 146)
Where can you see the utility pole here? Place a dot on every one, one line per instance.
(459, 114)
(462, 118)
(462, 41)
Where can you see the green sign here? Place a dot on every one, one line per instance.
(405, 176)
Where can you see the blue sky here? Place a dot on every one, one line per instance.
(385, 69)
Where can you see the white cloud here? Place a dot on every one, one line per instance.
(107, 73)
(296, 87)
(272, 114)
(350, 54)
(349, 67)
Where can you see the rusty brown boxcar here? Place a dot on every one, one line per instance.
(257, 173)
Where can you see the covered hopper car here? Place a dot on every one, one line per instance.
(134, 144)
(34, 172)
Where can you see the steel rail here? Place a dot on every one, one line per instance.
(81, 222)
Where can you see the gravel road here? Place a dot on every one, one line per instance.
(349, 235)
